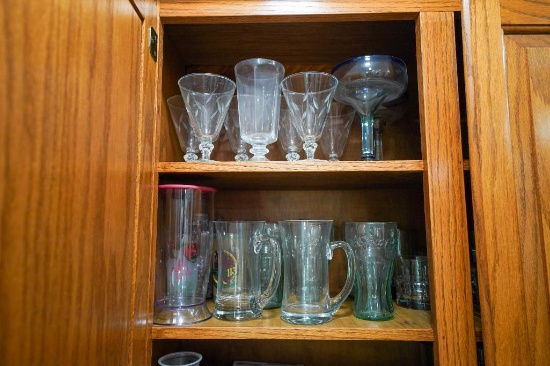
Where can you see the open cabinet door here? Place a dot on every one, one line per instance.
(77, 97)
(508, 101)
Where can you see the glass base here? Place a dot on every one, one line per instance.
(302, 319)
(304, 314)
(236, 308)
(374, 315)
(368, 157)
(259, 158)
(416, 305)
(182, 315)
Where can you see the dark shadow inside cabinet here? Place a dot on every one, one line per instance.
(219, 352)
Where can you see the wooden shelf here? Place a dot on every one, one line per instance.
(408, 325)
(294, 175)
(208, 11)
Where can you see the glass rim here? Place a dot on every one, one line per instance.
(279, 66)
(217, 76)
(368, 57)
(187, 186)
(332, 87)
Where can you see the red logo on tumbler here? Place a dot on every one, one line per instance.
(191, 251)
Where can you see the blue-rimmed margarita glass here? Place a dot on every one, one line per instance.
(366, 82)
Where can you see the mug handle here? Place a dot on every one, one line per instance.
(275, 270)
(336, 301)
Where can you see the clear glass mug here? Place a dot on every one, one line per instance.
(307, 250)
(239, 292)
(267, 258)
(374, 245)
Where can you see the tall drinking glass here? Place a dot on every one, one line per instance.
(309, 95)
(374, 245)
(207, 98)
(259, 93)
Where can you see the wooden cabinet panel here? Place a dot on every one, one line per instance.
(507, 102)
(528, 79)
(71, 196)
(522, 12)
(444, 193)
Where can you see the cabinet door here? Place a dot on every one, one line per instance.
(77, 102)
(508, 102)
(528, 81)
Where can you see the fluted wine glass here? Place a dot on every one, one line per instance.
(366, 82)
(289, 140)
(387, 113)
(186, 137)
(233, 130)
(336, 131)
(207, 98)
(309, 95)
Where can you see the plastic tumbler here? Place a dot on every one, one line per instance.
(184, 252)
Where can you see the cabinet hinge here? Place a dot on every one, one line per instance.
(153, 43)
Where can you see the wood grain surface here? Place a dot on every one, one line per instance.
(243, 11)
(444, 193)
(408, 324)
(496, 204)
(528, 80)
(525, 12)
(77, 176)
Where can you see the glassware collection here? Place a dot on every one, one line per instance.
(257, 265)
(298, 110)
(252, 266)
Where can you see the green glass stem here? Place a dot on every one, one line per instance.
(367, 137)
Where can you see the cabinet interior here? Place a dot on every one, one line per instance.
(338, 195)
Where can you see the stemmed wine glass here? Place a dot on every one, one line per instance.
(186, 137)
(290, 141)
(309, 95)
(387, 113)
(259, 92)
(336, 131)
(233, 130)
(207, 98)
(366, 82)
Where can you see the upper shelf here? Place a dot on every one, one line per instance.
(296, 175)
(243, 11)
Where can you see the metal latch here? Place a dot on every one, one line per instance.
(153, 43)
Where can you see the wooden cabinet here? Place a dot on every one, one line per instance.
(507, 61)
(420, 186)
(78, 181)
(86, 136)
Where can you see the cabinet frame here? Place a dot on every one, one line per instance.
(442, 167)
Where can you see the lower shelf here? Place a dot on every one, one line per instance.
(408, 325)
